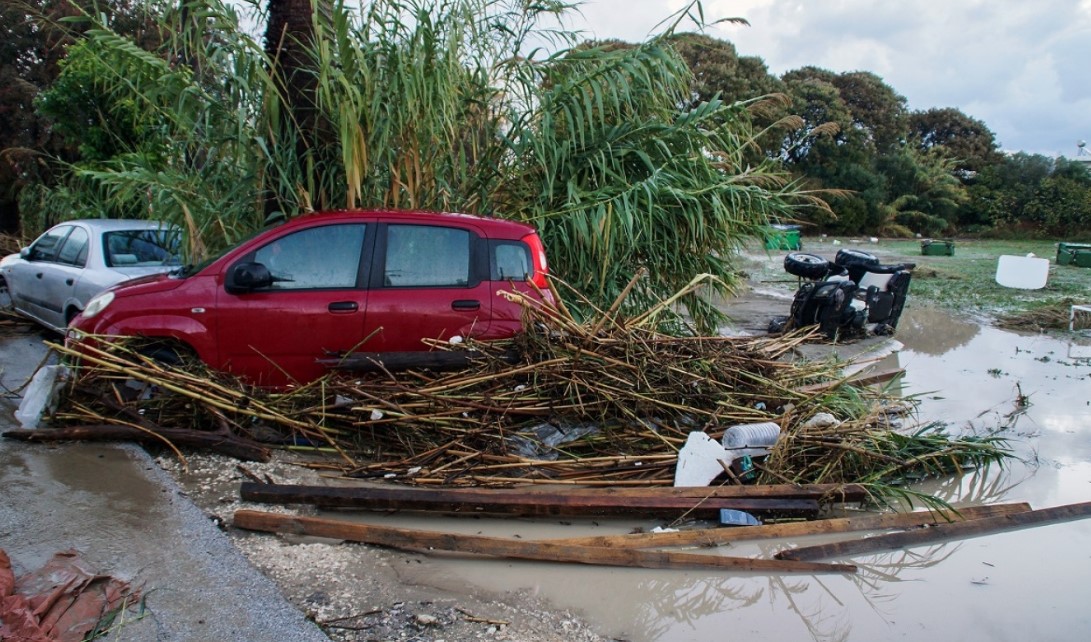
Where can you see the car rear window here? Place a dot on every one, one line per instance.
(142, 248)
(74, 250)
(427, 256)
(511, 261)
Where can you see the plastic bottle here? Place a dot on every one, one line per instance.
(763, 435)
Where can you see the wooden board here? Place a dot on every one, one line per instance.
(410, 539)
(715, 536)
(941, 532)
(483, 501)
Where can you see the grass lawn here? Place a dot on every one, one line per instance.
(964, 282)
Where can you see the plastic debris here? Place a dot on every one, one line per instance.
(732, 517)
(700, 461)
(40, 395)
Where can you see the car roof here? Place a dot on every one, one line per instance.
(114, 224)
(491, 226)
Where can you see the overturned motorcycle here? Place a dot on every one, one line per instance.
(853, 294)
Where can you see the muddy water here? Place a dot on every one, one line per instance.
(1031, 584)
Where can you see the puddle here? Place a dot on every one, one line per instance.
(1008, 586)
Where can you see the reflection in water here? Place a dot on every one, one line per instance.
(933, 331)
(967, 377)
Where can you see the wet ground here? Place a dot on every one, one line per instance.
(127, 518)
(1021, 585)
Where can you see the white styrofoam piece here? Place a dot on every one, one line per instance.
(1022, 272)
(699, 460)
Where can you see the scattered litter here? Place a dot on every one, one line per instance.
(662, 529)
(64, 601)
(732, 517)
(822, 420)
(700, 461)
(376, 415)
(40, 396)
(455, 340)
(541, 441)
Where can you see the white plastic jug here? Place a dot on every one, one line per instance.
(763, 435)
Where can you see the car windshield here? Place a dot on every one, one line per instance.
(142, 248)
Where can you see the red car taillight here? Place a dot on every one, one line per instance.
(538, 258)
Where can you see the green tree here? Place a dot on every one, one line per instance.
(877, 110)
(966, 140)
(435, 107)
(36, 35)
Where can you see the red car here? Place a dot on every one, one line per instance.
(329, 284)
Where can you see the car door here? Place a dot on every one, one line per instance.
(26, 278)
(314, 309)
(430, 281)
(61, 278)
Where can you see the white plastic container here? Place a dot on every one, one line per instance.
(763, 435)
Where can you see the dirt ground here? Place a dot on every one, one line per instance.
(358, 592)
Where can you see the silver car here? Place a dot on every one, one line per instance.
(53, 279)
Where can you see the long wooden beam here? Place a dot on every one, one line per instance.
(838, 493)
(487, 501)
(411, 539)
(941, 532)
(716, 536)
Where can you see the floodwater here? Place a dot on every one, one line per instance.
(1029, 584)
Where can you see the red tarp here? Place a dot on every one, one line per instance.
(62, 601)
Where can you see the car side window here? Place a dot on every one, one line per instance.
(511, 261)
(325, 257)
(45, 248)
(74, 250)
(426, 256)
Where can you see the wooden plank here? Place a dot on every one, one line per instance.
(847, 493)
(940, 532)
(483, 501)
(724, 535)
(863, 380)
(411, 539)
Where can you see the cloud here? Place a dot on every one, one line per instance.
(1019, 67)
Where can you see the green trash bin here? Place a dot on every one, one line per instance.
(933, 247)
(783, 237)
(1082, 258)
(1066, 252)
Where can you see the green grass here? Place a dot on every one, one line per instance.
(963, 283)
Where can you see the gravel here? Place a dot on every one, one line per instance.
(355, 592)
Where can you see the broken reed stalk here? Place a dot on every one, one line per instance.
(608, 401)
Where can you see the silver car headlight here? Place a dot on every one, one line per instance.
(98, 304)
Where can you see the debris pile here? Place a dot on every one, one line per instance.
(606, 402)
(64, 601)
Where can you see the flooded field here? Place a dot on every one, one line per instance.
(1012, 586)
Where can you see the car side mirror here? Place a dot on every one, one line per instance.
(25, 253)
(246, 277)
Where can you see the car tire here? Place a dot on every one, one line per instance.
(807, 266)
(854, 258)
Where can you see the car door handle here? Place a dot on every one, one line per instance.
(343, 306)
(466, 304)
(68, 281)
(39, 275)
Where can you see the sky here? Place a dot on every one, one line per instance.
(1023, 68)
